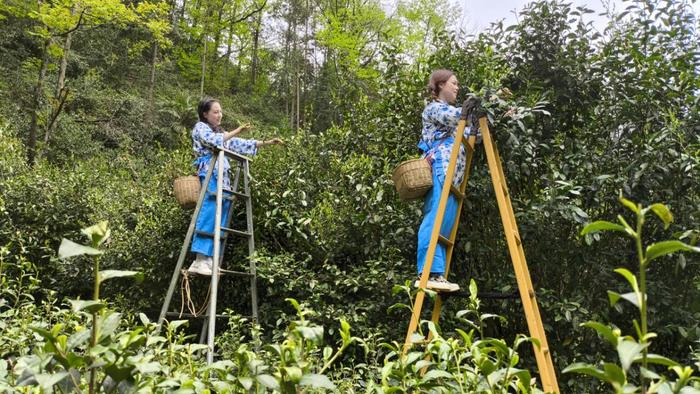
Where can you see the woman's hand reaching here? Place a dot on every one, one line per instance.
(242, 129)
(273, 141)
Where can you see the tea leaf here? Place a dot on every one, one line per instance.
(663, 213)
(602, 225)
(317, 381)
(628, 351)
(667, 247)
(109, 274)
(97, 233)
(586, 369)
(69, 248)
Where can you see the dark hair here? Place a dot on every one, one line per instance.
(204, 107)
(437, 78)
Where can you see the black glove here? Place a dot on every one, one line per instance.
(470, 103)
(472, 107)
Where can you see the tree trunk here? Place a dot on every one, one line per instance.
(217, 40)
(38, 93)
(229, 43)
(286, 80)
(182, 10)
(173, 12)
(204, 68)
(152, 84)
(304, 69)
(60, 84)
(298, 101)
(64, 64)
(295, 76)
(204, 53)
(256, 40)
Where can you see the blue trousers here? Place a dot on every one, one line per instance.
(430, 208)
(206, 218)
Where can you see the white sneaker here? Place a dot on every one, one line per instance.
(439, 283)
(201, 266)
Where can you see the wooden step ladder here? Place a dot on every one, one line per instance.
(242, 166)
(471, 115)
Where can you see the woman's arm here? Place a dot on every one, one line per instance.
(249, 147)
(274, 141)
(240, 129)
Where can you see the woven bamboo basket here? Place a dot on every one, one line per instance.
(413, 178)
(186, 189)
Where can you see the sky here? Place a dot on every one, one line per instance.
(478, 14)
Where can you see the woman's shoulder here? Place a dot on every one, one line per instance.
(430, 106)
(201, 126)
(436, 106)
(432, 103)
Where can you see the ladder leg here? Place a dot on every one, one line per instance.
(216, 258)
(453, 234)
(527, 292)
(462, 189)
(229, 215)
(251, 243)
(430, 255)
(185, 246)
(203, 332)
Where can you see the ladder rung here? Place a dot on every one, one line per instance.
(488, 295)
(236, 232)
(504, 188)
(223, 197)
(445, 241)
(234, 155)
(239, 194)
(226, 197)
(458, 194)
(225, 229)
(190, 316)
(236, 273)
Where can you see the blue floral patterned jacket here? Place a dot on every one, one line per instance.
(439, 127)
(203, 136)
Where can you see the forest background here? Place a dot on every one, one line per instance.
(98, 100)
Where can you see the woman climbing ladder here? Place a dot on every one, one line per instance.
(439, 126)
(208, 131)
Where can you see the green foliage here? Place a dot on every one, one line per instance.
(630, 350)
(469, 362)
(68, 15)
(349, 32)
(139, 358)
(590, 113)
(70, 356)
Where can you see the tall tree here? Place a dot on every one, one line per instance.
(54, 20)
(156, 20)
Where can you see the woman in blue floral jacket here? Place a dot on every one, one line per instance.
(439, 127)
(208, 132)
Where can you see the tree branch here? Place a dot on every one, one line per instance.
(62, 96)
(248, 15)
(74, 28)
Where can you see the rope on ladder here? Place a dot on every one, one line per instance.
(185, 292)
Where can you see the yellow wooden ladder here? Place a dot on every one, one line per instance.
(510, 227)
